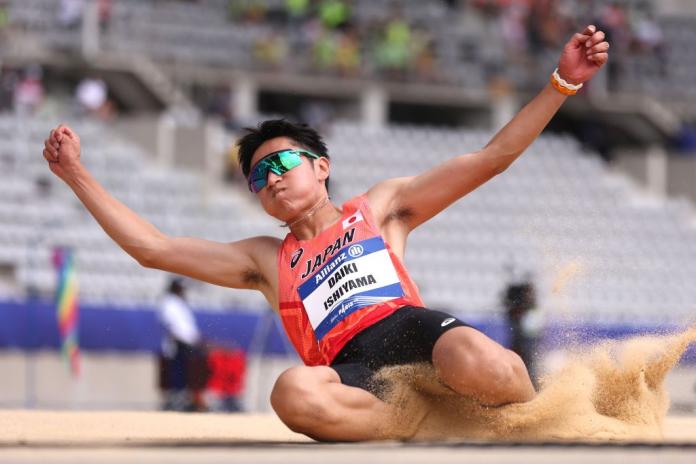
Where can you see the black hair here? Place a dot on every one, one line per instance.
(300, 133)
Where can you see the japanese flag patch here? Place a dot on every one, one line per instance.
(352, 220)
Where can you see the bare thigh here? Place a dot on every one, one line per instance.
(474, 365)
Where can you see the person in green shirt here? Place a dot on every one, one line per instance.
(334, 13)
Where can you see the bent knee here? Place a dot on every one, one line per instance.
(300, 400)
(500, 369)
(495, 368)
(291, 392)
(506, 378)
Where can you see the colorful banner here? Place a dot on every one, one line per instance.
(67, 307)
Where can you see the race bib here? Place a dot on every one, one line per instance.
(360, 275)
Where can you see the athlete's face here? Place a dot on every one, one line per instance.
(287, 195)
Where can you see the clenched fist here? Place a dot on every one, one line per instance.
(62, 151)
(583, 55)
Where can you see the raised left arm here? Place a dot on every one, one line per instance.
(419, 198)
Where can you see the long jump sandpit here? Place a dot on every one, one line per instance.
(46, 437)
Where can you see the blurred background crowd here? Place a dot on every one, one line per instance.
(592, 229)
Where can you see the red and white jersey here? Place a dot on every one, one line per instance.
(336, 284)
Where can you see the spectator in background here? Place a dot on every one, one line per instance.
(614, 19)
(226, 384)
(650, 40)
(324, 51)
(29, 91)
(271, 51)
(424, 59)
(297, 11)
(543, 27)
(512, 25)
(348, 58)
(70, 13)
(247, 10)
(334, 14)
(648, 33)
(519, 301)
(4, 18)
(104, 12)
(393, 52)
(181, 345)
(8, 82)
(298, 14)
(91, 97)
(489, 8)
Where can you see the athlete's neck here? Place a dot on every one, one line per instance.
(316, 219)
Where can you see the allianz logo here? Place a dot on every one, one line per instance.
(356, 250)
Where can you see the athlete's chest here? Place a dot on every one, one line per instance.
(348, 270)
(308, 260)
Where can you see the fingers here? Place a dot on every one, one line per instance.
(589, 30)
(589, 37)
(48, 156)
(600, 49)
(61, 132)
(600, 58)
(594, 43)
(55, 136)
(596, 38)
(583, 37)
(65, 130)
(597, 48)
(579, 39)
(51, 146)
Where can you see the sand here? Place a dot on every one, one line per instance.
(98, 429)
(613, 391)
(132, 428)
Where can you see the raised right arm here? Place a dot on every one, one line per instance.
(244, 264)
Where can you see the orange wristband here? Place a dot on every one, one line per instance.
(561, 89)
(562, 86)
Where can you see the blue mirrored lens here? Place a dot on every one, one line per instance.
(279, 163)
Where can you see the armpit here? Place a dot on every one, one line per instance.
(399, 215)
(254, 278)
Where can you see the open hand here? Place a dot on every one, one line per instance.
(62, 151)
(583, 55)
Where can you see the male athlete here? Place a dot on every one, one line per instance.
(337, 280)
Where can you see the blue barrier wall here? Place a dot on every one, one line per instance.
(32, 325)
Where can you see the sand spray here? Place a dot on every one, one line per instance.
(610, 391)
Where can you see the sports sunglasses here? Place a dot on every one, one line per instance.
(278, 163)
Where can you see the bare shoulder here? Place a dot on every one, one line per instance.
(263, 249)
(384, 200)
(391, 215)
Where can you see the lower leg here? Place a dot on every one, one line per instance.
(474, 365)
(312, 401)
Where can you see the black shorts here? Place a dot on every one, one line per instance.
(405, 337)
